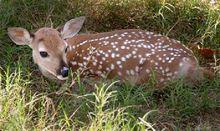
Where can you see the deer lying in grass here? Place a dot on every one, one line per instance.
(131, 54)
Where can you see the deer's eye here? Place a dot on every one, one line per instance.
(44, 54)
(66, 49)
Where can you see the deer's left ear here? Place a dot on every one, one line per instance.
(72, 27)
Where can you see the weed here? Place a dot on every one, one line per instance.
(29, 101)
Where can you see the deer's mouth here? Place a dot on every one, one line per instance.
(62, 75)
(64, 71)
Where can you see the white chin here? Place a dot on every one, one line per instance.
(60, 77)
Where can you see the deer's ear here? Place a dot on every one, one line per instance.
(72, 27)
(19, 36)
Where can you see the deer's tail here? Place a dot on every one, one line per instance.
(207, 73)
(200, 74)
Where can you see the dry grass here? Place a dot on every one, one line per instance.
(29, 101)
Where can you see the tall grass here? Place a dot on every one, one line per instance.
(22, 110)
(29, 101)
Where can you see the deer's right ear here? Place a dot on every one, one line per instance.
(19, 36)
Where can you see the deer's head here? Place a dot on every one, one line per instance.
(48, 46)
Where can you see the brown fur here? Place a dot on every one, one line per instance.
(131, 55)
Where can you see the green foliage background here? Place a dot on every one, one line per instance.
(30, 101)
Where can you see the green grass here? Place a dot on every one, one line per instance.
(28, 101)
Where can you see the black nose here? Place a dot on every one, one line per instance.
(64, 71)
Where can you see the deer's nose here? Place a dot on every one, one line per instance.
(64, 71)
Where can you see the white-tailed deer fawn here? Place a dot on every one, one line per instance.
(131, 54)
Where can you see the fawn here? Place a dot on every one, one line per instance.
(129, 54)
